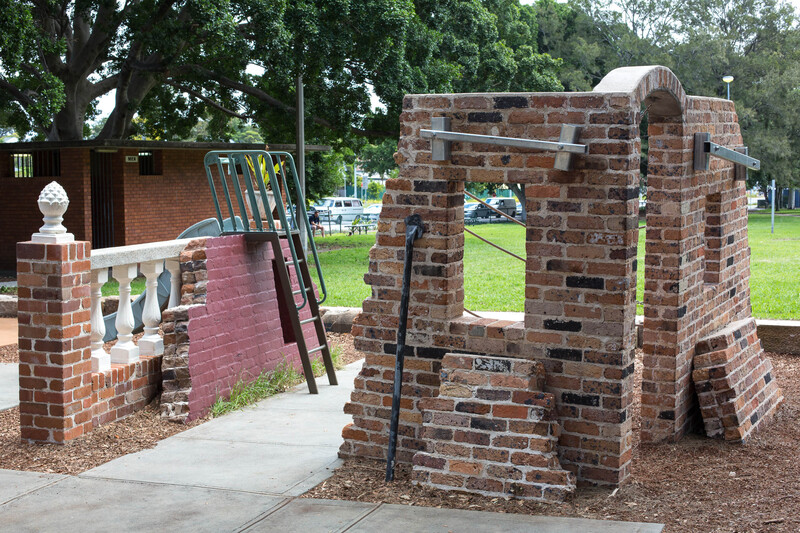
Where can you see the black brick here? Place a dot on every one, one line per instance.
(487, 424)
(506, 102)
(485, 117)
(562, 325)
(585, 282)
(591, 400)
(431, 353)
(730, 261)
(667, 415)
(681, 311)
(767, 377)
(429, 270)
(568, 354)
(391, 349)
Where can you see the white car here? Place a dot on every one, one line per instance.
(347, 208)
(372, 212)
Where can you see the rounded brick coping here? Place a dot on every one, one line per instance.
(655, 84)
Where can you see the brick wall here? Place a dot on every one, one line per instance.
(229, 325)
(491, 431)
(60, 397)
(180, 196)
(581, 239)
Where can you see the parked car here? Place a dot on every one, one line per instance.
(478, 210)
(348, 208)
(372, 212)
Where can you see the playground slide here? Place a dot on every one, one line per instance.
(205, 228)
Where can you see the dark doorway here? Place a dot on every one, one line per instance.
(102, 200)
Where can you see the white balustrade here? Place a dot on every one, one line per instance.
(125, 262)
(125, 351)
(100, 359)
(174, 268)
(151, 343)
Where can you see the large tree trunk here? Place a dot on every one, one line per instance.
(519, 192)
(69, 121)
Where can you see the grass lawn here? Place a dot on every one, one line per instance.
(495, 281)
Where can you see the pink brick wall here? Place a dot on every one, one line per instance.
(229, 325)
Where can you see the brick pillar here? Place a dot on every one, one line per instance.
(55, 366)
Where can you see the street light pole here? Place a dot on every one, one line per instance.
(728, 79)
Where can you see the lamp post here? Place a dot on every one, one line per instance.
(728, 79)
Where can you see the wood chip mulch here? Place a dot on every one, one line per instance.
(697, 484)
(137, 432)
(9, 353)
(345, 343)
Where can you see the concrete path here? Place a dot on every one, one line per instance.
(9, 385)
(243, 472)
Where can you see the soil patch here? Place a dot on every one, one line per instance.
(697, 484)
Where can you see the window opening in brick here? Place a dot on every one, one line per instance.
(638, 265)
(493, 280)
(36, 164)
(150, 163)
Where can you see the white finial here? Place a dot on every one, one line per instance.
(53, 204)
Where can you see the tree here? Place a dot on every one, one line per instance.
(174, 61)
(375, 190)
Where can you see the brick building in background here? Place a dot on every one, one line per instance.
(121, 192)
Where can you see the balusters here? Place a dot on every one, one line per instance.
(100, 359)
(174, 268)
(125, 351)
(151, 343)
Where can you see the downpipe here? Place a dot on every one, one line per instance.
(414, 231)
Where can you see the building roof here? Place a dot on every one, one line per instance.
(161, 145)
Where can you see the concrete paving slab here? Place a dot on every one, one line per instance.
(9, 386)
(86, 505)
(8, 331)
(253, 467)
(407, 519)
(14, 483)
(310, 515)
(281, 426)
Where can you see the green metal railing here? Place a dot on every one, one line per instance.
(246, 166)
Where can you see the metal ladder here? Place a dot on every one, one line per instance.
(246, 172)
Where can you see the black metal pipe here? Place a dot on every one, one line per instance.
(413, 232)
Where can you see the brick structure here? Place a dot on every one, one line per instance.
(734, 381)
(55, 381)
(60, 397)
(231, 324)
(581, 239)
(491, 431)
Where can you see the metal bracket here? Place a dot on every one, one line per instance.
(704, 149)
(441, 139)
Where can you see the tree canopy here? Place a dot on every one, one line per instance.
(173, 62)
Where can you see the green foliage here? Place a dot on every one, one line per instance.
(245, 392)
(375, 190)
(378, 158)
(284, 377)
